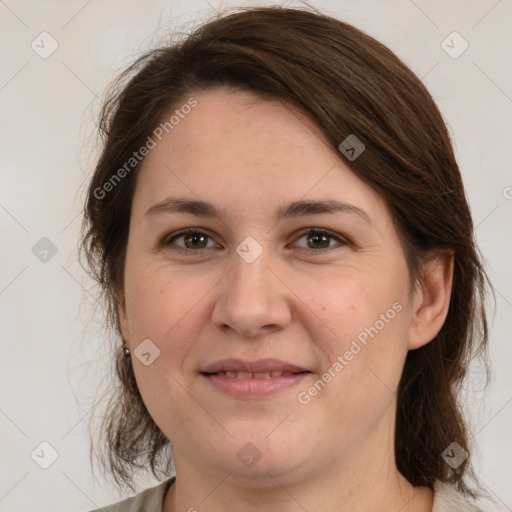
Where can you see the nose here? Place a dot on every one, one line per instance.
(252, 299)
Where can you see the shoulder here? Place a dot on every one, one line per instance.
(447, 499)
(149, 500)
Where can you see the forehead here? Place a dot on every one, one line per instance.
(236, 149)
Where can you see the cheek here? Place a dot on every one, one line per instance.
(157, 300)
(364, 350)
(367, 318)
(160, 307)
(353, 303)
(147, 299)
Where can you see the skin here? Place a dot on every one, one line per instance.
(335, 453)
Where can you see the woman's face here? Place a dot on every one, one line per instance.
(260, 288)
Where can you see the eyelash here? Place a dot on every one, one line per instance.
(169, 239)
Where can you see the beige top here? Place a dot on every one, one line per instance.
(446, 499)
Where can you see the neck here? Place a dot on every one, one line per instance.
(366, 481)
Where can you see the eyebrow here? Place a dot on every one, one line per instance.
(302, 208)
(294, 209)
(183, 205)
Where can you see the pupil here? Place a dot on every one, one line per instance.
(323, 238)
(193, 238)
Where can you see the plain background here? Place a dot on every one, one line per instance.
(53, 352)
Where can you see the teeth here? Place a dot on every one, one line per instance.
(262, 375)
(258, 375)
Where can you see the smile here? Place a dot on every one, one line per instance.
(250, 387)
(258, 375)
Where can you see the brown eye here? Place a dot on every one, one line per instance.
(191, 239)
(195, 240)
(317, 239)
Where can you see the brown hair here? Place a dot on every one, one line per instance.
(348, 83)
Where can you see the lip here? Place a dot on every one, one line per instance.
(253, 388)
(261, 365)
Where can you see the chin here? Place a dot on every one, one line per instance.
(253, 457)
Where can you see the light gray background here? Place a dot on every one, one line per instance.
(53, 353)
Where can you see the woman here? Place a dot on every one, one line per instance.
(280, 229)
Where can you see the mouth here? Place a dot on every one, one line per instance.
(260, 366)
(253, 379)
(257, 375)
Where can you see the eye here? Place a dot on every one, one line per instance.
(193, 240)
(318, 239)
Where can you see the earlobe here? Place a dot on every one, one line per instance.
(431, 300)
(122, 324)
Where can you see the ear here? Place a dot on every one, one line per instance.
(431, 300)
(122, 323)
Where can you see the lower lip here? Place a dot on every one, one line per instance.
(254, 388)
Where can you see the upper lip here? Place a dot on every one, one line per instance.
(261, 365)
